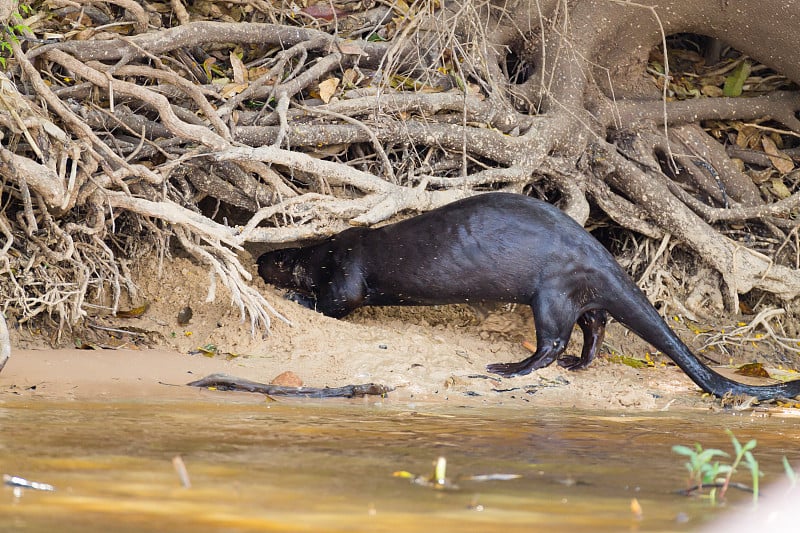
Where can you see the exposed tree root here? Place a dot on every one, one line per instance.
(224, 135)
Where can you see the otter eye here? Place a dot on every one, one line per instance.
(555, 344)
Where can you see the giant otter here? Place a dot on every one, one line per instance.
(495, 247)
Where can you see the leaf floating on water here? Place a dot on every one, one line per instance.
(636, 509)
(136, 312)
(755, 370)
(438, 480)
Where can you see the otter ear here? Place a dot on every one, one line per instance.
(285, 259)
(279, 258)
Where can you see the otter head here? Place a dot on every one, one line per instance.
(279, 268)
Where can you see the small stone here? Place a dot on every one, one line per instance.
(184, 316)
(287, 379)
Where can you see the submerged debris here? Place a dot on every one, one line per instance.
(182, 471)
(439, 480)
(22, 483)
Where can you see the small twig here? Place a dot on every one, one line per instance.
(661, 248)
(691, 490)
(744, 334)
(117, 330)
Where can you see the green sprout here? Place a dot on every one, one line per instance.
(706, 472)
(11, 33)
(703, 471)
(790, 472)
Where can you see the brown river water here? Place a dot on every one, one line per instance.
(328, 466)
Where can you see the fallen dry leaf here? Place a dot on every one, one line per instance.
(779, 160)
(328, 88)
(240, 73)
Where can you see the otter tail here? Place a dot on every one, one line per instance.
(634, 310)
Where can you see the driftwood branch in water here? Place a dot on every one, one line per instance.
(226, 382)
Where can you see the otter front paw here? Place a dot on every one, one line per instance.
(302, 299)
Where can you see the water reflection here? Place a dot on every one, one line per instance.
(328, 466)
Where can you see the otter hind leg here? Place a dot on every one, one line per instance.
(554, 320)
(593, 326)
